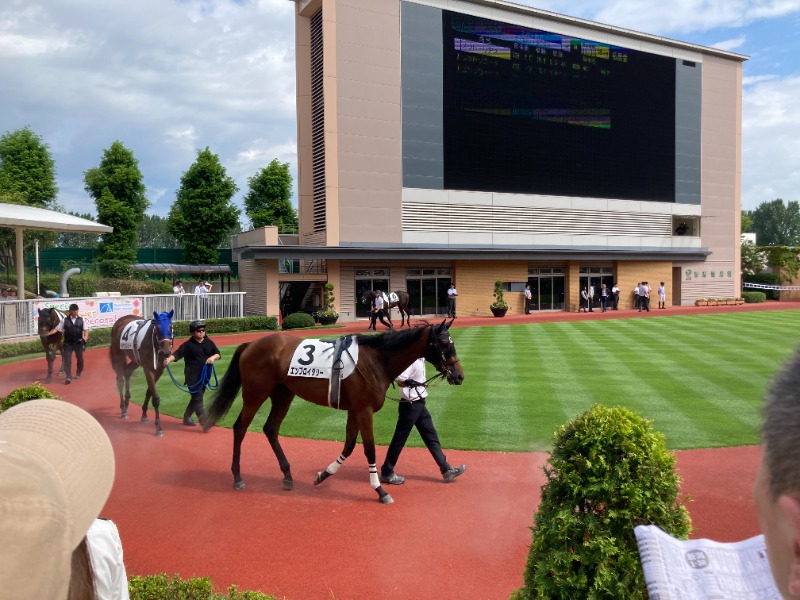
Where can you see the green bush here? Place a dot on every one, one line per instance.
(754, 297)
(118, 269)
(766, 279)
(298, 320)
(23, 394)
(161, 587)
(608, 472)
(217, 326)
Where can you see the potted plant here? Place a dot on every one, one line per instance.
(328, 314)
(499, 306)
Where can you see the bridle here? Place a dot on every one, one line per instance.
(434, 346)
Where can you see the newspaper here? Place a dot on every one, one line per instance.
(703, 569)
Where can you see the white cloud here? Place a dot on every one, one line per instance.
(771, 141)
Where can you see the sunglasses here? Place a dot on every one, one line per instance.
(200, 330)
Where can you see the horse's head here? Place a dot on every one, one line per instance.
(163, 325)
(48, 319)
(441, 353)
(368, 296)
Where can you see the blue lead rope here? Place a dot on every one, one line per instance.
(208, 373)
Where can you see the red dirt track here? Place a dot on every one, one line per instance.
(177, 512)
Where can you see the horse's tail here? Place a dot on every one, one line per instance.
(228, 389)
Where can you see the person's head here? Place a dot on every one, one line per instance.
(197, 329)
(527, 286)
(452, 285)
(662, 283)
(777, 488)
(56, 471)
(4, 292)
(179, 284)
(73, 310)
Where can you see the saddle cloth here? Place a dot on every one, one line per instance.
(314, 358)
(133, 335)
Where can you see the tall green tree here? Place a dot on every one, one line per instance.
(268, 202)
(747, 221)
(27, 177)
(776, 223)
(27, 170)
(203, 215)
(153, 233)
(119, 194)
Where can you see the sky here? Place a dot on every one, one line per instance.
(168, 78)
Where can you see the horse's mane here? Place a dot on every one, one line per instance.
(393, 340)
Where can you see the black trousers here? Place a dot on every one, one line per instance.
(195, 406)
(528, 305)
(451, 307)
(68, 350)
(410, 415)
(373, 318)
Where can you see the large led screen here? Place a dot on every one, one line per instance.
(535, 112)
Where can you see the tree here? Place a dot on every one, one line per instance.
(27, 177)
(202, 215)
(119, 194)
(269, 200)
(776, 223)
(753, 261)
(153, 233)
(27, 170)
(747, 221)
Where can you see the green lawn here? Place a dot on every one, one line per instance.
(701, 380)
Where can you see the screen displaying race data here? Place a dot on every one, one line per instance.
(536, 112)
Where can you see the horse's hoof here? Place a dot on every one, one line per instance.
(387, 499)
(144, 420)
(160, 433)
(288, 484)
(124, 416)
(239, 485)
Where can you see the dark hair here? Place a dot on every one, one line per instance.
(73, 307)
(81, 579)
(780, 433)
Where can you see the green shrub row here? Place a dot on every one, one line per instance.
(102, 336)
(766, 279)
(29, 392)
(754, 297)
(162, 587)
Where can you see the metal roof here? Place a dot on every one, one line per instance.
(188, 269)
(31, 217)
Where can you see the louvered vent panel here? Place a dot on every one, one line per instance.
(317, 122)
(423, 216)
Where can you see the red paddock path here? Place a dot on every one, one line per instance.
(177, 512)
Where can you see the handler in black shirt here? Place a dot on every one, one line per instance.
(198, 351)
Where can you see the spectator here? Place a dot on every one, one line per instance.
(528, 298)
(603, 297)
(178, 289)
(201, 289)
(590, 297)
(584, 301)
(615, 296)
(777, 487)
(452, 293)
(56, 471)
(662, 296)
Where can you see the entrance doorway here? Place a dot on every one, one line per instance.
(595, 276)
(547, 288)
(427, 289)
(366, 280)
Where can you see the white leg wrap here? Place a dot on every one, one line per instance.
(334, 466)
(373, 477)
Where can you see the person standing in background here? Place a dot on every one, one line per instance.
(590, 297)
(615, 296)
(662, 296)
(528, 298)
(178, 289)
(452, 293)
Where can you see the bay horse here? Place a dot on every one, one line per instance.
(49, 318)
(401, 304)
(136, 342)
(260, 369)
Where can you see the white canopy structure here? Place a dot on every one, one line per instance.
(20, 217)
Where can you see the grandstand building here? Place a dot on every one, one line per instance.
(477, 140)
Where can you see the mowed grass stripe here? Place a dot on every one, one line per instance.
(700, 377)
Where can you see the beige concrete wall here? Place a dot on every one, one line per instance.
(721, 153)
(368, 115)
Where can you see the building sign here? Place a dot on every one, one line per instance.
(691, 274)
(96, 312)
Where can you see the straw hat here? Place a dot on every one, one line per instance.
(56, 471)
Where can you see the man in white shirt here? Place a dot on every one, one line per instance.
(178, 289)
(411, 413)
(201, 289)
(451, 300)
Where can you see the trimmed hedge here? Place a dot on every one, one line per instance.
(754, 297)
(102, 336)
(298, 321)
(766, 279)
(30, 392)
(608, 472)
(162, 587)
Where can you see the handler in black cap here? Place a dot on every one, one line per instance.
(76, 332)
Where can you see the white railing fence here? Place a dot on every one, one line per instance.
(19, 318)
